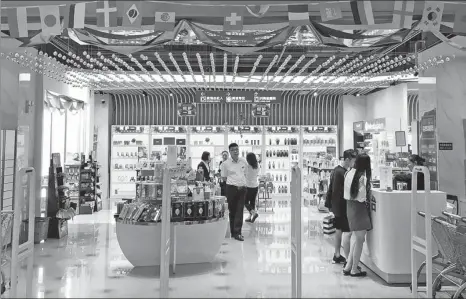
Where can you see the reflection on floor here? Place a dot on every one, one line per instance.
(89, 263)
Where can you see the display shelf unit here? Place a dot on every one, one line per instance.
(90, 193)
(129, 145)
(207, 138)
(163, 136)
(138, 147)
(281, 154)
(319, 149)
(72, 176)
(57, 198)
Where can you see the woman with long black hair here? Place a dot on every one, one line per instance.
(357, 192)
(252, 185)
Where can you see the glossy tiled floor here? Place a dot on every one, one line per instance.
(89, 263)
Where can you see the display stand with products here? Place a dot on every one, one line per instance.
(282, 153)
(72, 177)
(89, 188)
(58, 201)
(129, 145)
(164, 136)
(278, 148)
(319, 152)
(197, 223)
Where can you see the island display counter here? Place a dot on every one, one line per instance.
(198, 218)
(387, 250)
(193, 241)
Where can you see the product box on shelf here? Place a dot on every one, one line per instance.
(201, 210)
(189, 211)
(177, 211)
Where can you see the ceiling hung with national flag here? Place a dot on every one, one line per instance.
(287, 46)
(236, 28)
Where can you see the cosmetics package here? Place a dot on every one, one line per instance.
(200, 210)
(189, 211)
(177, 211)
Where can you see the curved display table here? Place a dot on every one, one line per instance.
(387, 250)
(191, 244)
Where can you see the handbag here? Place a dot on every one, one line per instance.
(368, 206)
(328, 195)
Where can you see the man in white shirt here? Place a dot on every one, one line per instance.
(233, 171)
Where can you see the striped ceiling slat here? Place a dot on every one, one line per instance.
(294, 109)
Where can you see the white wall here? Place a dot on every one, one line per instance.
(353, 109)
(447, 95)
(391, 103)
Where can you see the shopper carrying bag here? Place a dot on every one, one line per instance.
(357, 192)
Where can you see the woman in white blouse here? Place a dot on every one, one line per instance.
(357, 192)
(252, 185)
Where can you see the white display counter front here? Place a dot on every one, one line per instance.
(191, 244)
(387, 250)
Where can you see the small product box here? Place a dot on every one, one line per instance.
(189, 211)
(201, 210)
(210, 209)
(214, 209)
(177, 211)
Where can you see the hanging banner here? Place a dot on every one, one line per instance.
(260, 110)
(187, 109)
(238, 96)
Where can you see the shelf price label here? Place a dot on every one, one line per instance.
(261, 110)
(187, 109)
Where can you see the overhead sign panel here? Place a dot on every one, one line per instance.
(238, 96)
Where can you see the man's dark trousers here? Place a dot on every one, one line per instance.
(236, 197)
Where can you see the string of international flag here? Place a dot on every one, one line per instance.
(108, 13)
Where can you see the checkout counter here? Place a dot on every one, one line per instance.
(387, 250)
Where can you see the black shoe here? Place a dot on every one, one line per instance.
(239, 238)
(339, 260)
(346, 273)
(248, 220)
(359, 274)
(254, 217)
(344, 266)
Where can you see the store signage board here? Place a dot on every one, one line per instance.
(208, 129)
(375, 125)
(131, 129)
(244, 129)
(186, 109)
(445, 146)
(282, 129)
(400, 138)
(320, 129)
(168, 129)
(260, 110)
(358, 126)
(237, 96)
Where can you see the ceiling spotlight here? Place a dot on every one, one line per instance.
(316, 94)
(144, 94)
(357, 94)
(171, 94)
